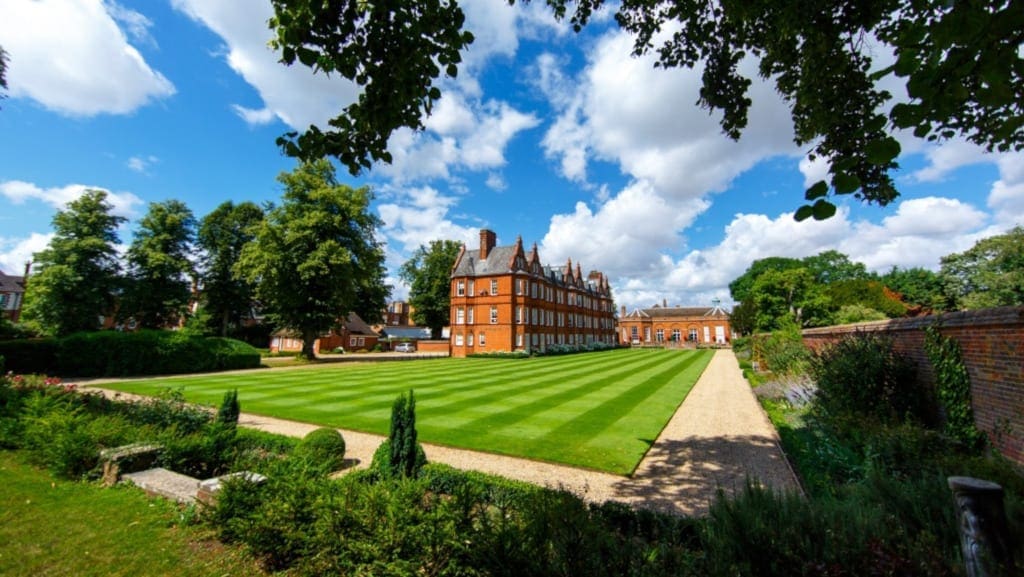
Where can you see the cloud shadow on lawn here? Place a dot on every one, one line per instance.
(682, 476)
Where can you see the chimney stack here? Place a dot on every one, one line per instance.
(664, 303)
(487, 241)
(623, 315)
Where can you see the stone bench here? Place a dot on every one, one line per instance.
(127, 459)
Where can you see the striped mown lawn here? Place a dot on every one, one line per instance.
(598, 410)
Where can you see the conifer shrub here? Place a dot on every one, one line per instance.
(229, 410)
(322, 450)
(400, 455)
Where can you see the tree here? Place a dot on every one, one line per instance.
(833, 266)
(78, 274)
(740, 288)
(429, 276)
(870, 294)
(959, 62)
(227, 298)
(400, 455)
(989, 274)
(316, 257)
(789, 294)
(160, 266)
(918, 287)
(743, 318)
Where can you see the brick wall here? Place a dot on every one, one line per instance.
(992, 341)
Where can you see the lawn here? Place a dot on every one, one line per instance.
(597, 410)
(55, 527)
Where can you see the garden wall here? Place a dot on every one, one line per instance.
(993, 350)
(433, 347)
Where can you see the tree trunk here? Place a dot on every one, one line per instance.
(308, 341)
(224, 323)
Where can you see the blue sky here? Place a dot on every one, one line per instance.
(564, 139)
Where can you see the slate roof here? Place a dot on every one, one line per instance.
(354, 323)
(497, 262)
(407, 332)
(11, 284)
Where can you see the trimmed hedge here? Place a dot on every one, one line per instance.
(117, 354)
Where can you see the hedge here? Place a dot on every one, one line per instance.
(118, 354)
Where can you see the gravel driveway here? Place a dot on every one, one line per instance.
(718, 438)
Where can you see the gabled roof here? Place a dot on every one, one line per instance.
(497, 262)
(353, 323)
(11, 284)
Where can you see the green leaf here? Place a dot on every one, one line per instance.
(803, 213)
(845, 183)
(819, 190)
(882, 152)
(823, 209)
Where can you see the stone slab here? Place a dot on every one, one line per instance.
(160, 481)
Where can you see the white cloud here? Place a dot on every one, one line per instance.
(293, 94)
(141, 164)
(14, 253)
(946, 157)
(417, 216)
(626, 234)
(624, 110)
(1007, 196)
(18, 192)
(73, 58)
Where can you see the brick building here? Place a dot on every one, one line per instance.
(353, 334)
(12, 293)
(504, 299)
(675, 326)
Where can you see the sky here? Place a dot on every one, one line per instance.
(564, 139)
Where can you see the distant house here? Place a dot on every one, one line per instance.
(12, 294)
(675, 326)
(353, 335)
(398, 314)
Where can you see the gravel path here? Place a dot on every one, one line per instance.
(717, 438)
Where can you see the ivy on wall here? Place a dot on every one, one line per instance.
(954, 386)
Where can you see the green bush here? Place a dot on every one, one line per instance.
(322, 450)
(400, 455)
(205, 454)
(30, 356)
(862, 375)
(111, 353)
(229, 410)
(782, 351)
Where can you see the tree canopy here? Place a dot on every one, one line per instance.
(3, 70)
(226, 297)
(428, 274)
(989, 274)
(160, 266)
(959, 62)
(78, 274)
(315, 258)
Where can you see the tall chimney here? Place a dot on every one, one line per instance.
(623, 315)
(487, 241)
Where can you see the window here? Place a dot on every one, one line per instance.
(647, 334)
(460, 288)
(533, 317)
(520, 286)
(519, 340)
(469, 340)
(469, 320)
(519, 315)
(472, 287)
(3, 299)
(660, 335)
(494, 286)
(693, 335)
(533, 290)
(494, 316)
(482, 340)
(460, 315)
(458, 340)
(634, 333)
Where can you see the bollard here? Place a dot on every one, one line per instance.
(984, 536)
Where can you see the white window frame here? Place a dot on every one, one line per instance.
(494, 286)
(460, 288)
(494, 315)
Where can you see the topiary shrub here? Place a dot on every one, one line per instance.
(229, 410)
(322, 450)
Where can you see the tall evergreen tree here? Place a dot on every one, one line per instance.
(78, 274)
(160, 267)
(226, 296)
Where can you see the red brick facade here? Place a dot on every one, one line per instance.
(992, 341)
(503, 299)
(675, 326)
